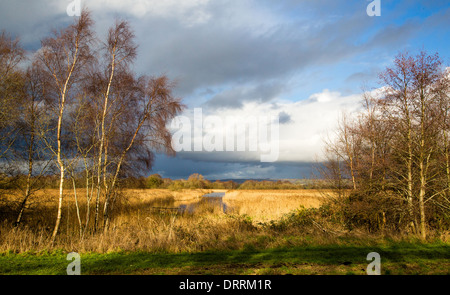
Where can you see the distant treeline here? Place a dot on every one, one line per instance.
(194, 181)
(198, 181)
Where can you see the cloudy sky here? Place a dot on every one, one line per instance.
(300, 61)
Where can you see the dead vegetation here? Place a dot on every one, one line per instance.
(267, 205)
(135, 226)
(255, 219)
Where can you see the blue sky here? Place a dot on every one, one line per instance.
(305, 59)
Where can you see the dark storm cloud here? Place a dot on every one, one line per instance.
(180, 168)
(248, 64)
(284, 118)
(229, 55)
(215, 53)
(234, 48)
(236, 97)
(31, 20)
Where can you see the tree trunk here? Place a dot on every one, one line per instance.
(409, 164)
(116, 174)
(60, 201)
(76, 206)
(59, 150)
(422, 204)
(102, 141)
(88, 198)
(447, 161)
(28, 187)
(30, 161)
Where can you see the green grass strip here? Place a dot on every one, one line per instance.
(130, 262)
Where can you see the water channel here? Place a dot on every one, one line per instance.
(211, 202)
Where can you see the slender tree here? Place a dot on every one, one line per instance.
(63, 58)
(143, 129)
(119, 51)
(397, 147)
(31, 148)
(11, 90)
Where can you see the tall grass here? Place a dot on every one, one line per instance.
(256, 219)
(267, 205)
(135, 224)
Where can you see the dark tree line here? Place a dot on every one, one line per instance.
(78, 108)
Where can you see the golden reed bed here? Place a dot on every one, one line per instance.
(259, 204)
(265, 205)
(134, 227)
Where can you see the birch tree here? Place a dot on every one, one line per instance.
(119, 52)
(63, 58)
(31, 150)
(398, 145)
(11, 90)
(143, 129)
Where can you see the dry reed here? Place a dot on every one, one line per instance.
(266, 205)
(134, 226)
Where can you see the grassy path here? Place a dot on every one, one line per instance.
(401, 258)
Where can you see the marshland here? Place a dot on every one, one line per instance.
(154, 219)
(152, 230)
(81, 127)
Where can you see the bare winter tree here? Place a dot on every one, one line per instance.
(393, 149)
(128, 115)
(30, 148)
(409, 103)
(11, 90)
(143, 129)
(86, 113)
(441, 91)
(84, 120)
(107, 86)
(63, 58)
